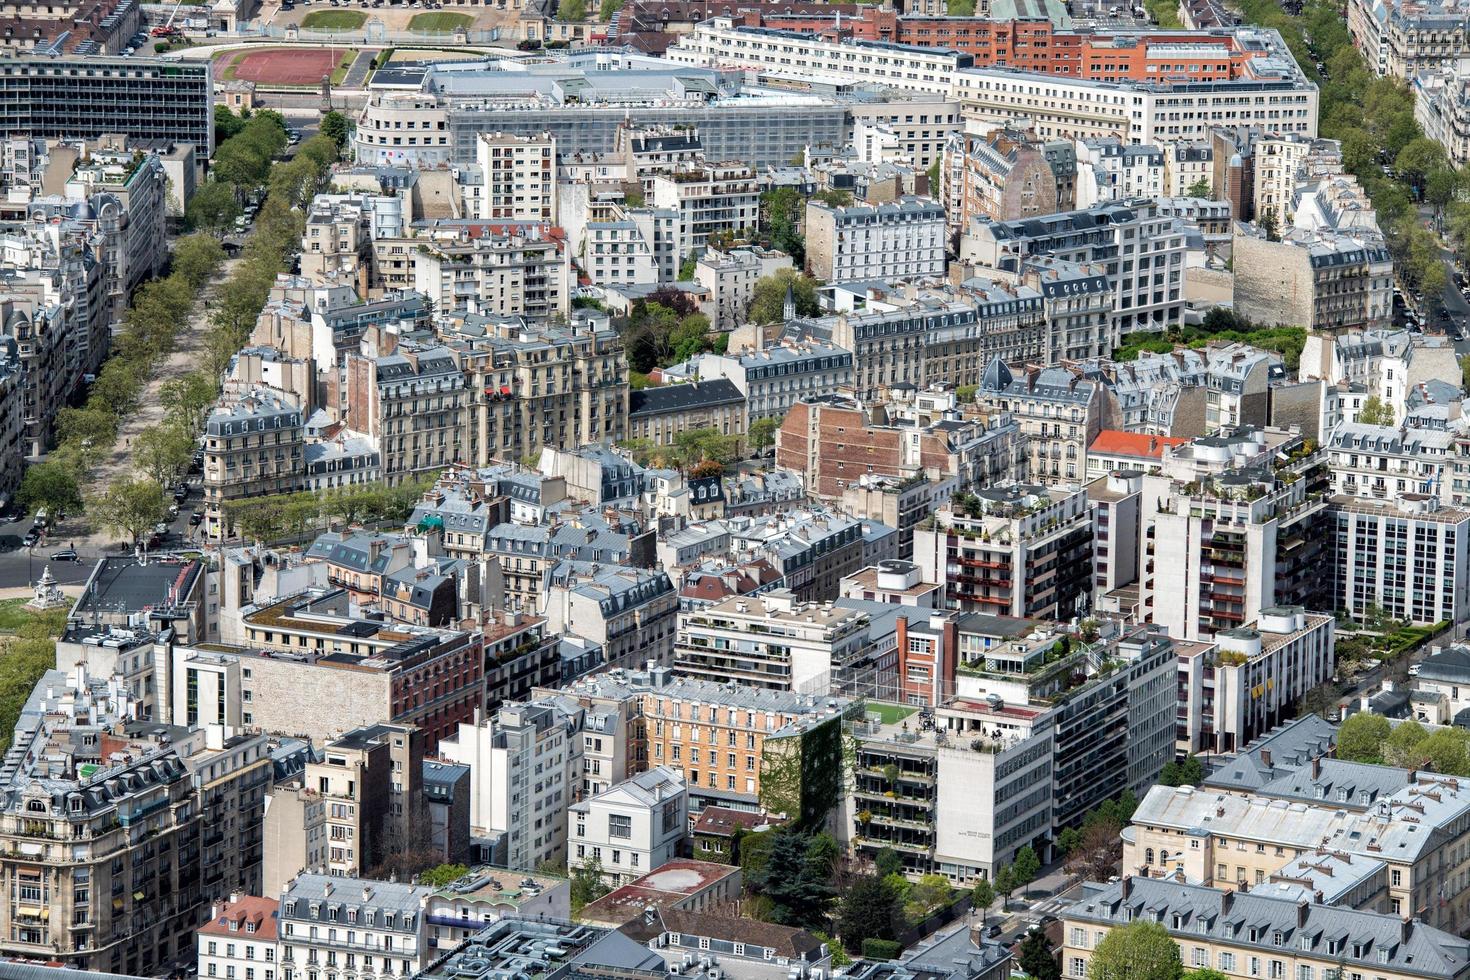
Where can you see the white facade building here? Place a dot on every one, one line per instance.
(632, 828)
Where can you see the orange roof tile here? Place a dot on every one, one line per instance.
(1116, 442)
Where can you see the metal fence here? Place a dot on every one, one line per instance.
(371, 33)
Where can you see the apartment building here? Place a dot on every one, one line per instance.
(711, 198)
(239, 940)
(629, 612)
(730, 278)
(1320, 279)
(1112, 170)
(130, 900)
(519, 174)
(331, 922)
(533, 386)
(772, 378)
(1024, 551)
(636, 826)
(1283, 162)
(145, 99)
(1256, 933)
(1017, 727)
(723, 42)
(617, 253)
(1141, 248)
(411, 403)
(508, 269)
(1233, 525)
(1004, 175)
(1060, 413)
(525, 769)
(660, 414)
(252, 447)
(1405, 555)
(772, 641)
(896, 239)
(1245, 839)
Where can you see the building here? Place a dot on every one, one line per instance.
(1003, 175)
(1059, 411)
(772, 641)
(330, 921)
(902, 238)
(252, 448)
(629, 612)
(90, 96)
(240, 939)
(636, 826)
(488, 894)
(1239, 931)
(730, 278)
(1018, 550)
(661, 413)
(1322, 280)
(1140, 247)
(711, 198)
(519, 174)
(772, 378)
(1404, 555)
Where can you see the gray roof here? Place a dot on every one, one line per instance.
(1451, 664)
(1288, 747)
(683, 397)
(1352, 937)
(402, 900)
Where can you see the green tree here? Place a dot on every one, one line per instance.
(1005, 883)
(608, 8)
(129, 507)
(926, 895)
(52, 485)
(797, 890)
(870, 908)
(960, 8)
(1375, 411)
(226, 124)
(587, 885)
(982, 896)
(1026, 867)
(1140, 950)
(888, 862)
(1270, 225)
(338, 128)
(763, 433)
(196, 258)
(1205, 973)
(441, 875)
(22, 665)
(571, 11)
(768, 298)
(934, 179)
(833, 197)
(213, 208)
(1361, 738)
(163, 452)
(1446, 751)
(1200, 188)
(185, 400)
(1418, 159)
(1186, 772)
(1037, 957)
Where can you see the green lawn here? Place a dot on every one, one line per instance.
(334, 20)
(14, 615)
(339, 74)
(440, 22)
(889, 714)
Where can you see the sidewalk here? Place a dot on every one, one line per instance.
(183, 359)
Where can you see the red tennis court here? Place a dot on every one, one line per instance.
(283, 66)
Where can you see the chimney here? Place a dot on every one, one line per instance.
(1301, 914)
(1406, 929)
(1266, 758)
(1127, 885)
(650, 915)
(1226, 900)
(1316, 767)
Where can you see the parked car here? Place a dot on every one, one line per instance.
(196, 518)
(65, 554)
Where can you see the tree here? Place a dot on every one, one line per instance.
(213, 208)
(1189, 772)
(1270, 225)
(763, 433)
(196, 257)
(982, 896)
(441, 875)
(52, 485)
(336, 127)
(1005, 883)
(1418, 159)
(927, 894)
(1137, 951)
(129, 506)
(960, 8)
(1361, 738)
(587, 885)
(226, 124)
(768, 298)
(163, 452)
(1099, 850)
(798, 891)
(833, 197)
(870, 908)
(934, 181)
(571, 11)
(608, 8)
(1037, 957)
(1200, 188)
(1026, 867)
(186, 399)
(1375, 411)
(888, 862)
(1205, 973)
(1446, 751)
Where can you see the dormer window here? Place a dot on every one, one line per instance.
(234, 926)
(250, 927)
(1383, 955)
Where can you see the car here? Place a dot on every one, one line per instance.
(196, 518)
(31, 538)
(66, 554)
(1414, 669)
(160, 529)
(173, 510)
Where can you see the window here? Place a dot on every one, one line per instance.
(619, 826)
(1079, 967)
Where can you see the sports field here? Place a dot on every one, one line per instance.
(281, 66)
